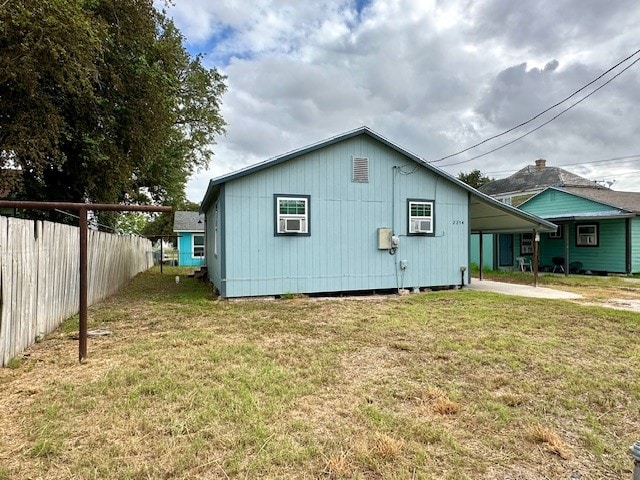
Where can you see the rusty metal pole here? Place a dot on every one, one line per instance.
(83, 209)
(84, 284)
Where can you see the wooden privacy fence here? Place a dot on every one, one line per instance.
(39, 276)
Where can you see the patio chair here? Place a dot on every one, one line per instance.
(524, 263)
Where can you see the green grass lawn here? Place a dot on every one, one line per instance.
(454, 384)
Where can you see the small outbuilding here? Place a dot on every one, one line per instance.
(189, 227)
(355, 212)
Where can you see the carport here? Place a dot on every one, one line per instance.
(487, 215)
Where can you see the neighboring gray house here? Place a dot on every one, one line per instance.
(190, 229)
(355, 212)
(531, 180)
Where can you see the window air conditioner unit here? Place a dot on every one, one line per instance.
(293, 225)
(422, 226)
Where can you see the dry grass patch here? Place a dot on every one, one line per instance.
(549, 439)
(189, 387)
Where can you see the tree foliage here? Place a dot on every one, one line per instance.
(101, 102)
(474, 178)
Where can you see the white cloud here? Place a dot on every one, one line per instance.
(432, 77)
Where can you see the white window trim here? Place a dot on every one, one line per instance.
(282, 217)
(582, 239)
(412, 219)
(526, 247)
(193, 245)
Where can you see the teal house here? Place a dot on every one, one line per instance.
(355, 212)
(599, 229)
(189, 227)
(598, 232)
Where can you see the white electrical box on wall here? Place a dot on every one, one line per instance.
(384, 238)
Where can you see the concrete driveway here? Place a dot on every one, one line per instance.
(520, 290)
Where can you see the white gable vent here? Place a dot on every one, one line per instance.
(360, 169)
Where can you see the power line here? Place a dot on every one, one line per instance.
(593, 162)
(541, 113)
(548, 121)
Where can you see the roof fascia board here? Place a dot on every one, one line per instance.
(544, 225)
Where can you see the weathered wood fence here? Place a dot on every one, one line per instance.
(39, 276)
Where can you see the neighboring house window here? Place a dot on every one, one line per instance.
(197, 243)
(420, 217)
(215, 231)
(526, 244)
(292, 215)
(557, 234)
(360, 169)
(587, 235)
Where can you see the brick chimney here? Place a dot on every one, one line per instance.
(540, 164)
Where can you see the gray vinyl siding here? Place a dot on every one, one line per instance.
(341, 253)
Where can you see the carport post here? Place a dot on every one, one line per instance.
(536, 240)
(565, 227)
(481, 259)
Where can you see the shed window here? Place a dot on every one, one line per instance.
(420, 217)
(526, 244)
(197, 246)
(292, 215)
(587, 235)
(360, 171)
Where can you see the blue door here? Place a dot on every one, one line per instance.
(505, 250)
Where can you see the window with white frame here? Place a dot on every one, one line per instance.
(197, 244)
(292, 214)
(526, 244)
(587, 235)
(557, 234)
(420, 217)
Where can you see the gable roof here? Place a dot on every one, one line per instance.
(188, 222)
(629, 201)
(487, 214)
(533, 177)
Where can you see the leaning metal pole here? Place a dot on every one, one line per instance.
(83, 209)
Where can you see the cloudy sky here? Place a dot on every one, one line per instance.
(432, 76)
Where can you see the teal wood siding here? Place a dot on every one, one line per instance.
(608, 256)
(185, 250)
(554, 203)
(487, 250)
(341, 253)
(635, 245)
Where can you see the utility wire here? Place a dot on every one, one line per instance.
(548, 121)
(593, 162)
(541, 113)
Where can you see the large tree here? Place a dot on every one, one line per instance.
(475, 178)
(101, 102)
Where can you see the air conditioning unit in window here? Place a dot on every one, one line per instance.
(293, 225)
(422, 226)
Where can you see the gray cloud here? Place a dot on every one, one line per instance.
(431, 76)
